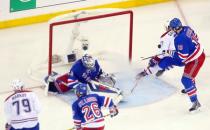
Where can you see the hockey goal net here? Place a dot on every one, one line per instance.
(108, 33)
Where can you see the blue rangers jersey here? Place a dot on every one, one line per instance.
(187, 46)
(87, 110)
(80, 73)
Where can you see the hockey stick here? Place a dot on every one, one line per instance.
(145, 58)
(132, 89)
(135, 85)
(91, 121)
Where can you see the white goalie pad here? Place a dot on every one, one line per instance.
(105, 90)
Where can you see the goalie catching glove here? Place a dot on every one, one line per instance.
(113, 111)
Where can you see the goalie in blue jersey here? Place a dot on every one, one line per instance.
(87, 71)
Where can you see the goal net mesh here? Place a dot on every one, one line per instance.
(108, 33)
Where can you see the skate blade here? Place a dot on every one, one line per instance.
(195, 111)
(46, 89)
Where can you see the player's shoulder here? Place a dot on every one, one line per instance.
(77, 63)
(93, 94)
(75, 103)
(19, 92)
(164, 34)
(187, 27)
(9, 97)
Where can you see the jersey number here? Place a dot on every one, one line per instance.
(92, 108)
(24, 104)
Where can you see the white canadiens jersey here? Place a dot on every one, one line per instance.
(167, 41)
(21, 109)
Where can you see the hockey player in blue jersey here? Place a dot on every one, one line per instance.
(85, 70)
(86, 109)
(188, 53)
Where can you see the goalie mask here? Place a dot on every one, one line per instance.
(88, 61)
(17, 85)
(81, 90)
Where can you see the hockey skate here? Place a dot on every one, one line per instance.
(141, 74)
(195, 106)
(183, 91)
(159, 73)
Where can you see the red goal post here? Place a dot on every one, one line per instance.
(52, 25)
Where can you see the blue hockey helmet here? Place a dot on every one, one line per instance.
(175, 23)
(88, 61)
(81, 90)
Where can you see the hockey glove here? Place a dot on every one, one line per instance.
(154, 61)
(169, 53)
(7, 126)
(113, 111)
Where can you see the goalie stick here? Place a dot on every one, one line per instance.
(73, 128)
(118, 98)
(110, 88)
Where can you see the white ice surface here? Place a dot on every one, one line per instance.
(18, 46)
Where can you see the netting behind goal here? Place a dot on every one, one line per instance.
(107, 31)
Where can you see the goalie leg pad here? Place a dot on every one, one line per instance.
(98, 87)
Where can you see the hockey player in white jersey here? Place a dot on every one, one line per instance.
(21, 108)
(166, 43)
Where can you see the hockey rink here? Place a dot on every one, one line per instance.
(155, 104)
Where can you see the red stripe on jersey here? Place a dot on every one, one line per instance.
(193, 54)
(26, 119)
(183, 56)
(191, 93)
(106, 101)
(100, 120)
(77, 122)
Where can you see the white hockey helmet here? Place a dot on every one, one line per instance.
(166, 25)
(17, 84)
(88, 61)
